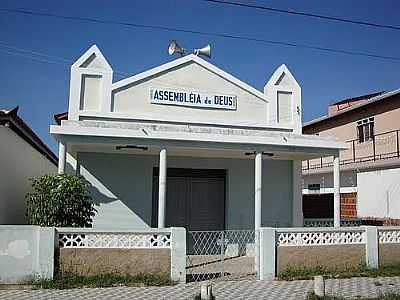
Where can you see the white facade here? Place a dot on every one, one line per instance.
(348, 182)
(19, 162)
(188, 115)
(379, 194)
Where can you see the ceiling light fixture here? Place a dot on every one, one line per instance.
(132, 147)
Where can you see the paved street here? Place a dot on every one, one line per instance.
(353, 287)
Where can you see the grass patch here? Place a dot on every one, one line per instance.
(360, 271)
(72, 280)
(312, 296)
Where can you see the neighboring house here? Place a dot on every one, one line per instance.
(186, 144)
(23, 156)
(370, 167)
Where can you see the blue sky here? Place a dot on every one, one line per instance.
(41, 89)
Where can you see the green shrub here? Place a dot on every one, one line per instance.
(60, 200)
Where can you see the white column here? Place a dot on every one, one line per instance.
(297, 195)
(62, 155)
(257, 207)
(336, 191)
(258, 191)
(162, 187)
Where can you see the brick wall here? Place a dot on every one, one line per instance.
(348, 205)
(321, 205)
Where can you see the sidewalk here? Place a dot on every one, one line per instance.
(351, 288)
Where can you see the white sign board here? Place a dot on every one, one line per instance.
(193, 99)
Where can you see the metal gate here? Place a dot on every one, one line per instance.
(228, 254)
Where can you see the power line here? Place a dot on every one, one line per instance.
(14, 53)
(41, 57)
(34, 53)
(304, 14)
(198, 32)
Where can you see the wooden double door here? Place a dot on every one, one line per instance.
(195, 199)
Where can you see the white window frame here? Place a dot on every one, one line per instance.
(365, 130)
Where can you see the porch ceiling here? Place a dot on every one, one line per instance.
(187, 140)
(187, 151)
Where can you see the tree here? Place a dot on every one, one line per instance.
(60, 200)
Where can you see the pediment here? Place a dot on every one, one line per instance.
(196, 71)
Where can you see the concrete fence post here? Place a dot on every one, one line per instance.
(371, 246)
(178, 254)
(267, 253)
(319, 286)
(46, 253)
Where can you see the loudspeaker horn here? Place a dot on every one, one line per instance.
(174, 48)
(206, 51)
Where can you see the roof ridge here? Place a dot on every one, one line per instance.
(373, 99)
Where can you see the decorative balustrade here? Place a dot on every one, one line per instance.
(319, 236)
(328, 222)
(389, 235)
(382, 146)
(92, 238)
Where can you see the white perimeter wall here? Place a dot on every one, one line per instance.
(379, 194)
(19, 161)
(122, 183)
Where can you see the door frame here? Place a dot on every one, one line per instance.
(185, 172)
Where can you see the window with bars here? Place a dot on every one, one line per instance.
(365, 130)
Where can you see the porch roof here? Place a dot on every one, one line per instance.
(194, 136)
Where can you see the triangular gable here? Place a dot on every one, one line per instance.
(181, 62)
(93, 59)
(282, 77)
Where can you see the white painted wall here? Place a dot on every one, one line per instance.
(135, 100)
(284, 95)
(93, 95)
(122, 183)
(19, 161)
(379, 194)
(26, 252)
(348, 181)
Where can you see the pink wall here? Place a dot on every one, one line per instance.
(386, 113)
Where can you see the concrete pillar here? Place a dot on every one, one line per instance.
(62, 156)
(336, 191)
(178, 254)
(46, 255)
(206, 291)
(267, 253)
(257, 207)
(319, 286)
(297, 198)
(162, 188)
(371, 247)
